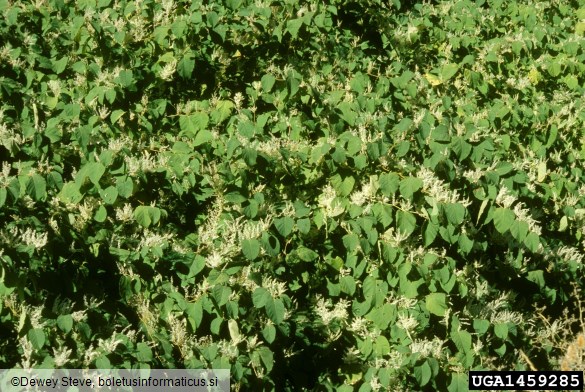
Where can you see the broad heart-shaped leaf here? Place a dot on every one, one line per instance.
(269, 333)
(146, 215)
(186, 65)
(202, 137)
(381, 346)
(260, 297)
(275, 310)
(423, 373)
(65, 322)
(37, 338)
(448, 71)
(192, 123)
(109, 195)
(251, 248)
(143, 352)
(284, 225)
(462, 340)
(221, 294)
(501, 330)
(36, 187)
(455, 213)
(409, 185)
(405, 222)
(436, 303)
(306, 254)
(91, 170)
(70, 193)
(267, 82)
(101, 214)
(222, 111)
(503, 219)
(519, 230)
(459, 383)
(293, 26)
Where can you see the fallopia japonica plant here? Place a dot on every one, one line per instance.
(332, 196)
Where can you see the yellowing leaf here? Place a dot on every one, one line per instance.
(433, 79)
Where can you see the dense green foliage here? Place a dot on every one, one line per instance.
(343, 195)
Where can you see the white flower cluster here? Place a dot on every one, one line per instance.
(168, 70)
(569, 253)
(151, 239)
(275, 288)
(125, 214)
(329, 203)
(29, 237)
(327, 315)
(506, 200)
(407, 322)
(438, 190)
(367, 193)
(427, 347)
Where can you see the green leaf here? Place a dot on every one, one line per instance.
(143, 352)
(146, 215)
(116, 115)
(306, 254)
(455, 213)
(221, 294)
(37, 338)
(192, 123)
(501, 330)
(519, 230)
(37, 187)
(430, 233)
(267, 82)
(448, 71)
(269, 333)
(389, 183)
(481, 326)
(537, 277)
(260, 297)
(423, 373)
(554, 68)
(109, 195)
(405, 222)
(293, 26)
(3, 193)
(275, 310)
(284, 225)
(381, 346)
(347, 285)
(92, 170)
(503, 219)
(125, 78)
(186, 65)
(101, 214)
(222, 111)
(65, 322)
(70, 193)
(532, 241)
(409, 185)
(437, 303)
(125, 186)
(459, 383)
(462, 340)
(202, 137)
(60, 65)
(251, 248)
